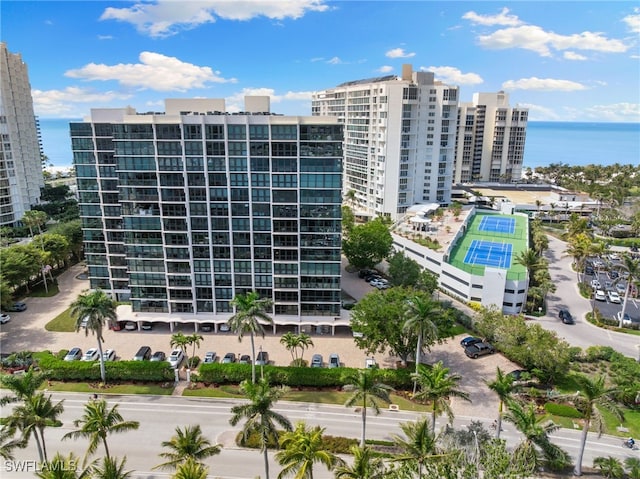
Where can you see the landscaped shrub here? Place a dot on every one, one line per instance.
(563, 410)
(338, 445)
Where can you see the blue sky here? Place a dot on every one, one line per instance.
(566, 61)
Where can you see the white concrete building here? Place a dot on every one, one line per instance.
(20, 154)
(491, 138)
(399, 140)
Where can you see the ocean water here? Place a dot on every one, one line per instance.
(547, 142)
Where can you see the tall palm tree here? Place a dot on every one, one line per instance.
(437, 385)
(194, 340)
(418, 446)
(96, 307)
(301, 449)
(367, 391)
(251, 310)
(180, 341)
(110, 468)
(97, 422)
(32, 417)
(421, 312)
(529, 259)
(8, 443)
(610, 467)
(632, 268)
(259, 415)
(502, 385)
(592, 395)
(365, 466)
(632, 465)
(292, 342)
(23, 386)
(191, 469)
(62, 467)
(185, 444)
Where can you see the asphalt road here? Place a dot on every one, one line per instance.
(159, 416)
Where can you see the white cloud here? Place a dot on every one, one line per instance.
(164, 18)
(454, 75)
(569, 55)
(502, 18)
(544, 84)
(155, 72)
(534, 38)
(399, 53)
(235, 102)
(615, 112)
(65, 102)
(633, 21)
(105, 37)
(539, 112)
(385, 69)
(335, 61)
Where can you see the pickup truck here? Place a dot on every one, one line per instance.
(479, 349)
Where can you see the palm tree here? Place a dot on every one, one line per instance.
(32, 417)
(632, 268)
(418, 446)
(185, 444)
(365, 466)
(610, 467)
(95, 307)
(529, 259)
(250, 311)
(592, 395)
(194, 340)
(97, 423)
(292, 342)
(502, 386)
(110, 468)
(34, 218)
(438, 385)
(367, 391)
(8, 443)
(191, 469)
(632, 465)
(301, 449)
(62, 467)
(23, 386)
(421, 311)
(180, 341)
(260, 418)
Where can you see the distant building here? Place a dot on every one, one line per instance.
(399, 140)
(491, 139)
(186, 209)
(20, 153)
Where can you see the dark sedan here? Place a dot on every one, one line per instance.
(565, 316)
(479, 349)
(470, 341)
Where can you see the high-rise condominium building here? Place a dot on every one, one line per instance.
(491, 137)
(399, 140)
(185, 209)
(20, 155)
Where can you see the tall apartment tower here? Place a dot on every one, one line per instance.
(399, 141)
(185, 209)
(20, 154)
(491, 138)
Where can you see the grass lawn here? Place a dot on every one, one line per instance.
(156, 389)
(63, 323)
(39, 291)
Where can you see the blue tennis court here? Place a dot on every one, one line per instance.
(489, 253)
(496, 224)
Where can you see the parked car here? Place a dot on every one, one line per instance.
(595, 284)
(370, 363)
(109, 355)
(565, 316)
(516, 374)
(17, 307)
(210, 357)
(224, 328)
(600, 295)
(262, 358)
(334, 360)
(130, 326)
(147, 326)
(366, 272)
(621, 287)
(588, 270)
(74, 354)
(608, 285)
(614, 297)
(316, 361)
(159, 356)
(176, 357)
(206, 327)
(613, 274)
(4, 318)
(469, 340)
(143, 354)
(626, 319)
(84, 322)
(92, 354)
(229, 358)
(479, 349)
(245, 359)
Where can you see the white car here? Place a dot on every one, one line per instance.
(626, 320)
(595, 284)
(109, 355)
(334, 360)
(210, 357)
(91, 354)
(621, 288)
(224, 327)
(175, 358)
(4, 318)
(600, 295)
(613, 297)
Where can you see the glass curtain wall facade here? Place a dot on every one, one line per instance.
(181, 216)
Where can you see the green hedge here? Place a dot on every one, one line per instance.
(298, 377)
(60, 370)
(562, 410)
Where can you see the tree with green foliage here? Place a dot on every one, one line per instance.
(72, 231)
(187, 444)
(251, 313)
(294, 342)
(19, 263)
(631, 269)
(194, 340)
(366, 465)
(418, 446)
(191, 469)
(97, 308)
(180, 341)
(8, 442)
(366, 392)
(110, 468)
(348, 220)
(22, 386)
(34, 219)
(300, 449)
(502, 385)
(403, 271)
(610, 467)
(62, 467)
(97, 422)
(56, 245)
(632, 465)
(437, 385)
(6, 294)
(259, 415)
(368, 244)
